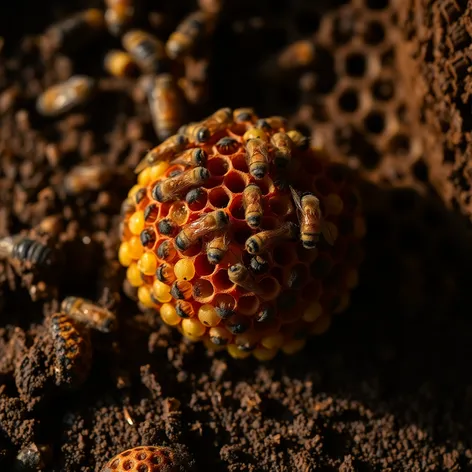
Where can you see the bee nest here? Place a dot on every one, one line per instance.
(252, 246)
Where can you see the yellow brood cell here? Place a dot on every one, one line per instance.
(312, 312)
(220, 336)
(273, 341)
(135, 247)
(208, 316)
(124, 254)
(161, 291)
(235, 352)
(144, 177)
(158, 170)
(293, 346)
(263, 354)
(133, 274)
(254, 133)
(169, 315)
(144, 296)
(193, 327)
(184, 269)
(148, 263)
(136, 222)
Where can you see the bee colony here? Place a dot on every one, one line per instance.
(242, 236)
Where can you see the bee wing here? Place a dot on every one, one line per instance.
(297, 201)
(327, 234)
(181, 161)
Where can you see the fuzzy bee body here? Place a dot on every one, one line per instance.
(217, 249)
(252, 203)
(261, 242)
(26, 250)
(170, 189)
(241, 276)
(146, 50)
(257, 157)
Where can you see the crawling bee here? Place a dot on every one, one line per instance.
(283, 152)
(166, 105)
(163, 151)
(65, 96)
(192, 157)
(218, 120)
(119, 63)
(118, 15)
(189, 33)
(272, 123)
(311, 220)
(217, 249)
(298, 54)
(244, 115)
(85, 178)
(25, 249)
(170, 189)
(298, 140)
(75, 31)
(252, 205)
(195, 133)
(257, 157)
(260, 242)
(73, 350)
(240, 275)
(208, 223)
(146, 50)
(88, 313)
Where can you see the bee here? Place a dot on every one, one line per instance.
(25, 249)
(240, 275)
(119, 63)
(192, 157)
(181, 290)
(166, 250)
(167, 227)
(244, 115)
(151, 213)
(238, 324)
(195, 133)
(73, 350)
(272, 123)
(208, 223)
(311, 220)
(196, 196)
(118, 15)
(184, 309)
(75, 31)
(148, 237)
(170, 189)
(84, 178)
(227, 145)
(252, 205)
(283, 152)
(218, 120)
(257, 157)
(163, 151)
(259, 265)
(296, 55)
(299, 141)
(217, 249)
(260, 242)
(88, 313)
(146, 50)
(65, 96)
(188, 33)
(166, 105)
(165, 273)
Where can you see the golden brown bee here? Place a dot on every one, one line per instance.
(166, 250)
(170, 189)
(148, 51)
(208, 223)
(298, 54)
(192, 30)
(165, 273)
(261, 242)
(240, 275)
(257, 157)
(167, 227)
(300, 141)
(192, 157)
(65, 96)
(311, 220)
(184, 309)
(252, 202)
(119, 63)
(195, 133)
(244, 115)
(25, 249)
(84, 178)
(218, 120)
(283, 152)
(167, 105)
(88, 313)
(163, 151)
(76, 30)
(272, 123)
(119, 14)
(181, 290)
(73, 350)
(217, 249)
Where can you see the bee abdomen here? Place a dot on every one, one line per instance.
(32, 251)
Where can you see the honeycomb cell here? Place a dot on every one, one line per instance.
(248, 304)
(269, 288)
(197, 199)
(236, 207)
(235, 182)
(374, 33)
(219, 197)
(221, 280)
(218, 166)
(280, 206)
(202, 266)
(284, 255)
(179, 213)
(355, 64)
(239, 163)
(224, 304)
(374, 122)
(348, 100)
(184, 269)
(208, 316)
(203, 290)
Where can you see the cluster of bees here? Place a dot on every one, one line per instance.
(170, 82)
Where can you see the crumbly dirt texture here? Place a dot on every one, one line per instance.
(387, 388)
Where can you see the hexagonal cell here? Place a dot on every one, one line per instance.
(193, 250)
(221, 280)
(224, 304)
(355, 64)
(374, 122)
(151, 212)
(174, 170)
(280, 206)
(297, 276)
(247, 304)
(197, 199)
(343, 27)
(241, 235)
(383, 89)
(203, 290)
(348, 100)
(374, 33)
(236, 208)
(218, 166)
(219, 197)
(235, 181)
(399, 144)
(179, 213)
(239, 162)
(165, 250)
(269, 287)
(284, 254)
(203, 267)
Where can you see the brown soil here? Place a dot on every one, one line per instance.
(387, 388)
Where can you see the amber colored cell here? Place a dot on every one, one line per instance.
(236, 208)
(248, 304)
(218, 197)
(202, 266)
(235, 182)
(179, 213)
(202, 289)
(221, 280)
(269, 288)
(239, 163)
(218, 166)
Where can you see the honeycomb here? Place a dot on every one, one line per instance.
(287, 291)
